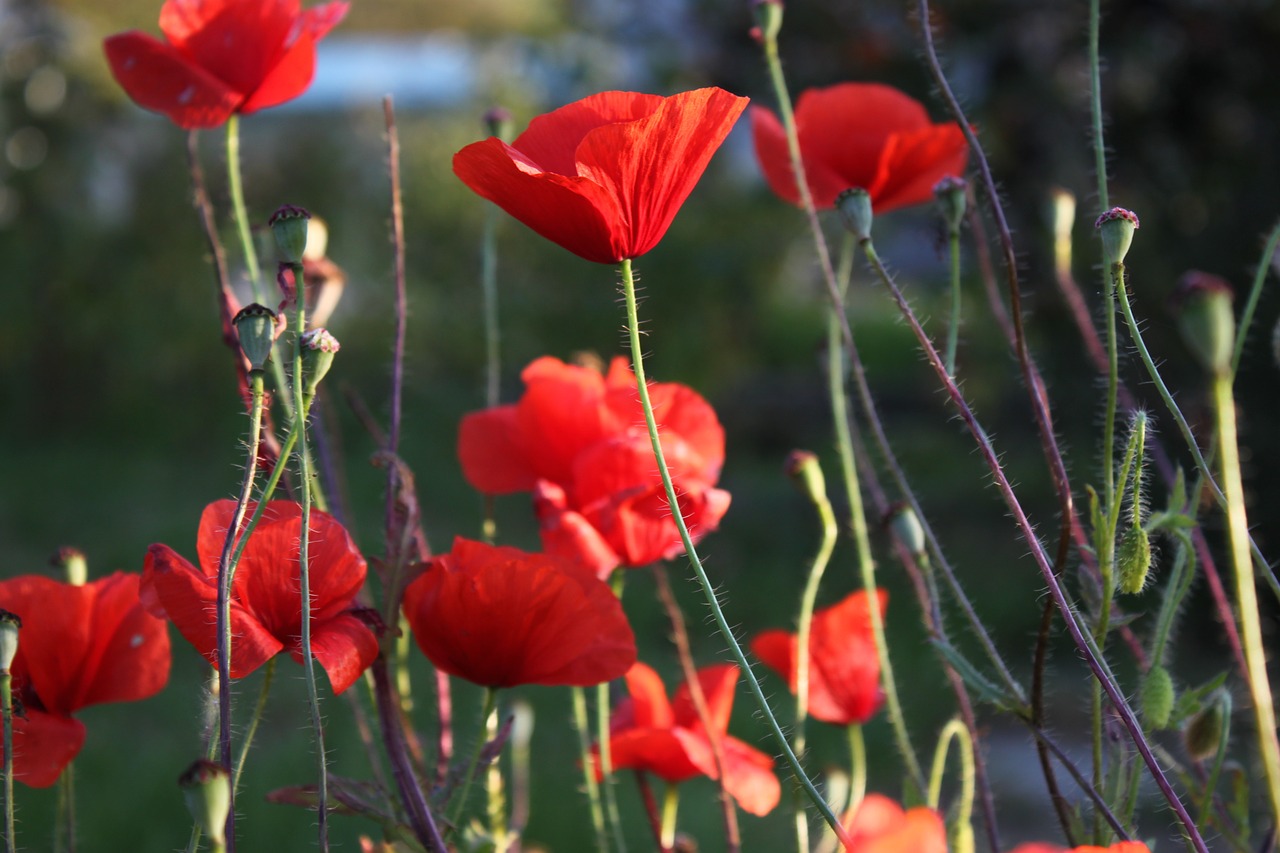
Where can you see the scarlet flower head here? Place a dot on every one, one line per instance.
(844, 669)
(604, 176)
(80, 646)
(864, 135)
(577, 439)
(879, 825)
(668, 740)
(500, 617)
(266, 609)
(221, 57)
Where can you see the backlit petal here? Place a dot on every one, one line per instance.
(288, 78)
(492, 452)
(43, 745)
(344, 646)
(552, 139)
(237, 41)
(158, 77)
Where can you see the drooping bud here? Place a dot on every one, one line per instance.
(802, 466)
(206, 786)
(318, 350)
(497, 122)
(768, 18)
(72, 563)
(10, 623)
(1202, 303)
(1133, 560)
(289, 227)
(951, 194)
(1116, 228)
(1157, 697)
(256, 326)
(905, 524)
(1204, 731)
(854, 207)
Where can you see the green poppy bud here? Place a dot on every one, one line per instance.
(497, 122)
(10, 623)
(1133, 559)
(256, 326)
(1157, 697)
(951, 194)
(206, 786)
(802, 466)
(904, 523)
(854, 207)
(768, 18)
(1208, 324)
(1116, 228)
(289, 227)
(318, 350)
(1204, 731)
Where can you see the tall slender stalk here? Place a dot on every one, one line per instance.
(6, 711)
(583, 726)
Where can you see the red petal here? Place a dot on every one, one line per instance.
(553, 138)
(681, 411)
(568, 535)
(650, 165)
(571, 212)
(492, 452)
(158, 77)
(129, 656)
(560, 415)
(650, 708)
(776, 649)
(237, 41)
(1038, 847)
(658, 751)
(344, 646)
(881, 826)
(288, 78)
(913, 162)
(43, 745)
(844, 674)
(748, 772)
(718, 683)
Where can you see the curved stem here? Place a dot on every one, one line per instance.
(857, 767)
(583, 727)
(954, 730)
(258, 708)
(713, 602)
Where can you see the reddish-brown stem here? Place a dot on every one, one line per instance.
(1060, 805)
(651, 809)
(420, 818)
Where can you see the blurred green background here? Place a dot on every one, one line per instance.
(120, 419)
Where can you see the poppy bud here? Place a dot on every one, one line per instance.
(206, 786)
(952, 197)
(256, 326)
(1133, 559)
(72, 563)
(1116, 228)
(1204, 731)
(768, 18)
(903, 522)
(803, 467)
(318, 350)
(497, 122)
(1203, 305)
(289, 227)
(9, 625)
(1157, 697)
(854, 207)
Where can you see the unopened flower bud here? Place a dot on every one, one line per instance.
(256, 326)
(1203, 305)
(854, 207)
(10, 623)
(1116, 228)
(768, 18)
(1157, 697)
(1133, 560)
(951, 194)
(206, 786)
(902, 520)
(72, 563)
(1204, 731)
(802, 466)
(289, 226)
(497, 122)
(318, 350)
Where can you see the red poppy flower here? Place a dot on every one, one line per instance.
(79, 646)
(668, 740)
(881, 826)
(266, 609)
(864, 135)
(844, 670)
(603, 177)
(500, 617)
(578, 440)
(221, 57)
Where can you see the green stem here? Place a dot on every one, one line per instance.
(495, 799)
(489, 287)
(583, 727)
(857, 767)
(713, 602)
(65, 829)
(259, 707)
(302, 405)
(953, 330)
(670, 806)
(1255, 293)
(612, 814)
(1223, 699)
(6, 710)
(1095, 103)
(1246, 594)
(236, 187)
(954, 730)
(489, 704)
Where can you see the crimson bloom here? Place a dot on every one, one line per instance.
(79, 646)
(864, 135)
(500, 617)
(603, 177)
(668, 740)
(221, 57)
(844, 670)
(577, 439)
(266, 608)
(879, 825)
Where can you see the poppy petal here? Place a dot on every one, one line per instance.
(43, 745)
(552, 139)
(344, 646)
(718, 684)
(129, 657)
(560, 413)
(748, 772)
(566, 533)
(235, 41)
(493, 457)
(661, 752)
(287, 78)
(912, 163)
(650, 707)
(158, 77)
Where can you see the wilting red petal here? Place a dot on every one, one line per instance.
(158, 77)
(43, 745)
(881, 826)
(500, 617)
(492, 454)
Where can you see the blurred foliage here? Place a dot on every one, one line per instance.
(121, 420)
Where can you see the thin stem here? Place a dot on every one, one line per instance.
(236, 186)
(611, 812)
(1246, 594)
(259, 708)
(670, 806)
(488, 705)
(953, 328)
(495, 799)
(301, 405)
(420, 818)
(1223, 700)
(954, 730)
(6, 710)
(857, 766)
(489, 288)
(583, 727)
(1061, 807)
(1095, 104)
(713, 602)
(1097, 664)
(1255, 293)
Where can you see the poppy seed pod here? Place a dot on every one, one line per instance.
(289, 227)
(206, 786)
(1202, 303)
(1116, 228)
(318, 350)
(952, 196)
(854, 207)
(10, 623)
(256, 327)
